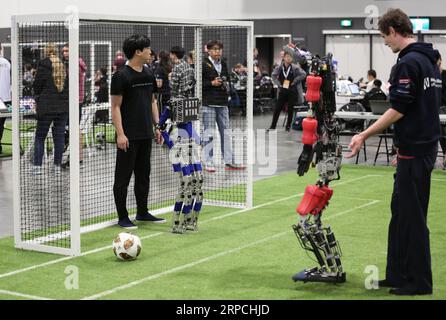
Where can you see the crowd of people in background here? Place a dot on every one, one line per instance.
(46, 79)
(286, 84)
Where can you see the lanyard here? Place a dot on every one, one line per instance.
(215, 65)
(288, 71)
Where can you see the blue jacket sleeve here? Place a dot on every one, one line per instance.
(404, 86)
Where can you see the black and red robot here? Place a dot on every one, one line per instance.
(322, 149)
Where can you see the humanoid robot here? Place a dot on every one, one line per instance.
(185, 158)
(322, 149)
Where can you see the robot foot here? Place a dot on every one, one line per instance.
(178, 223)
(192, 222)
(316, 275)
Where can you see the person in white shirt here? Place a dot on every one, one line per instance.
(5, 89)
(371, 76)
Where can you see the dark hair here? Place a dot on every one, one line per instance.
(214, 43)
(178, 51)
(372, 73)
(164, 62)
(103, 71)
(396, 19)
(133, 43)
(377, 83)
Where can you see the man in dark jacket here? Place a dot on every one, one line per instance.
(288, 77)
(215, 106)
(415, 97)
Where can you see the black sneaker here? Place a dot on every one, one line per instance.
(408, 291)
(150, 218)
(127, 224)
(388, 284)
(233, 167)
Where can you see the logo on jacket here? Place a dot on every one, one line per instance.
(432, 83)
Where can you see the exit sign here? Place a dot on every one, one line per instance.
(346, 23)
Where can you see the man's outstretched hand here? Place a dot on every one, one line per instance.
(355, 145)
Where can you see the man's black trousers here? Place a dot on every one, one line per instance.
(408, 255)
(135, 160)
(286, 96)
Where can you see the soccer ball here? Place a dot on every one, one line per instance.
(127, 246)
(100, 138)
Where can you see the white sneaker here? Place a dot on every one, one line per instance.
(37, 171)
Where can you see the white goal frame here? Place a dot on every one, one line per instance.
(72, 21)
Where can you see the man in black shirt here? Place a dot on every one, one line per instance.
(415, 97)
(134, 112)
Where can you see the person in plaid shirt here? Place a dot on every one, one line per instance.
(183, 75)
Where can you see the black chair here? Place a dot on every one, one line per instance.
(351, 127)
(101, 117)
(263, 100)
(388, 150)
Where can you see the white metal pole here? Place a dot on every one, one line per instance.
(249, 115)
(92, 68)
(74, 133)
(15, 131)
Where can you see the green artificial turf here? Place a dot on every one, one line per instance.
(238, 254)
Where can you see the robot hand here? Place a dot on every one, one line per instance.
(303, 164)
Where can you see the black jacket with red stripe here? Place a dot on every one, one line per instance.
(416, 93)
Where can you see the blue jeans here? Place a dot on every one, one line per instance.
(210, 116)
(43, 125)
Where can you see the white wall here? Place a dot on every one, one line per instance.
(352, 54)
(263, 9)
(194, 9)
(383, 59)
(222, 9)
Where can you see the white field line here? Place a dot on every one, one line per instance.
(67, 258)
(351, 210)
(207, 259)
(182, 267)
(12, 273)
(442, 180)
(22, 295)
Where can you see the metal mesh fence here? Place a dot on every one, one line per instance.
(44, 131)
(44, 196)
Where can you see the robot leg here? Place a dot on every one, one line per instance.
(317, 239)
(197, 184)
(178, 224)
(198, 198)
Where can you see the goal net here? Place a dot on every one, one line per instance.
(64, 139)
